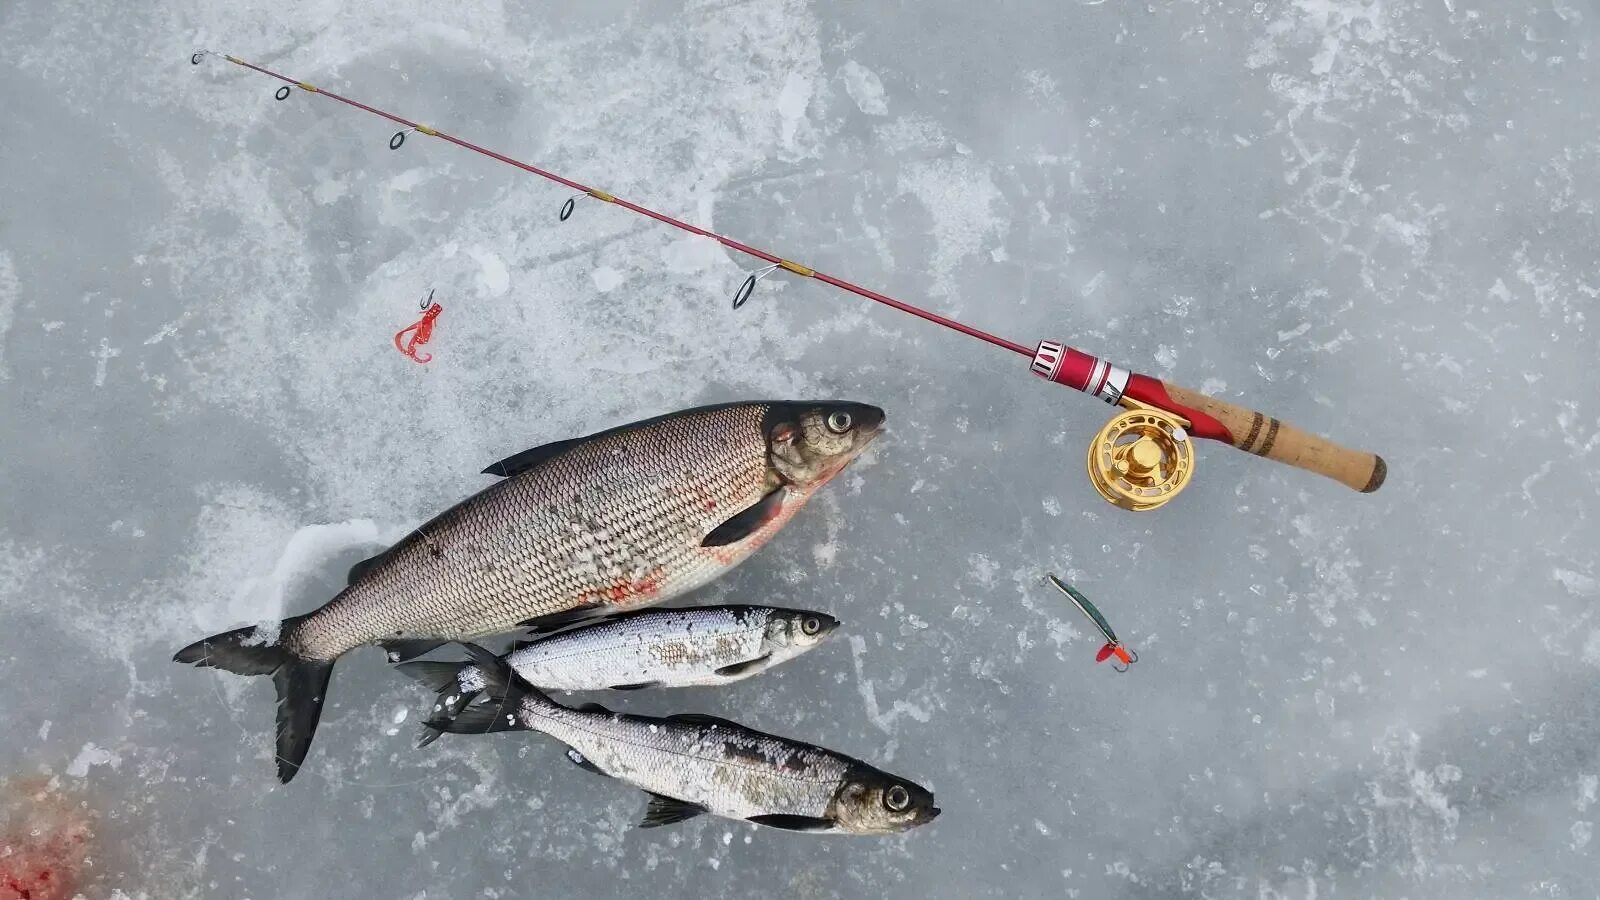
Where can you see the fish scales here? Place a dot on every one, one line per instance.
(730, 770)
(541, 542)
(678, 643)
(612, 521)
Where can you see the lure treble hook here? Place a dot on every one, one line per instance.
(420, 333)
(1113, 646)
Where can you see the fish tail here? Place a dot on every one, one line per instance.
(302, 683)
(441, 676)
(505, 692)
(444, 677)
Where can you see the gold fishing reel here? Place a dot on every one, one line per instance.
(1142, 458)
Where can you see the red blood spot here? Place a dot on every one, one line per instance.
(44, 842)
(632, 592)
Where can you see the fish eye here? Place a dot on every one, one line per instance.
(839, 421)
(811, 625)
(897, 798)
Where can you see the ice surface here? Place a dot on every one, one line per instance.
(1374, 218)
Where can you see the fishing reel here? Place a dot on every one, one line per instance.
(1142, 458)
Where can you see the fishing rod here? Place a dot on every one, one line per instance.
(1140, 460)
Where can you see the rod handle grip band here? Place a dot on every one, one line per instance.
(1271, 438)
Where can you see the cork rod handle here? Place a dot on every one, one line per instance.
(1265, 436)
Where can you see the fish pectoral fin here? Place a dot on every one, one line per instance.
(361, 569)
(582, 762)
(664, 810)
(592, 708)
(746, 522)
(531, 458)
(703, 719)
(556, 621)
(794, 823)
(635, 687)
(402, 650)
(745, 668)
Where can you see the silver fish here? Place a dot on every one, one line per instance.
(694, 764)
(620, 519)
(708, 645)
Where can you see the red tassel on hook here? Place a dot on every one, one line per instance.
(420, 332)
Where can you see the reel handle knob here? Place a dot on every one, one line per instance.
(1209, 417)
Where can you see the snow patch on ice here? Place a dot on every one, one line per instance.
(869, 696)
(328, 190)
(1576, 583)
(1588, 786)
(606, 279)
(966, 208)
(792, 103)
(1591, 648)
(493, 277)
(863, 86)
(688, 255)
(91, 756)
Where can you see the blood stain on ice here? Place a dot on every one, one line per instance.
(45, 839)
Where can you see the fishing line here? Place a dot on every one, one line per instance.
(1140, 460)
(398, 139)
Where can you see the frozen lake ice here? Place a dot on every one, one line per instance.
(1373, 218)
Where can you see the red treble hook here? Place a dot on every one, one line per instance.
(420, 332)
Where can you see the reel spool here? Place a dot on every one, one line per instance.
(1142, 458)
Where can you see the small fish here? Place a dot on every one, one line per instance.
(708, 645)
(621, 519)
(695, 764)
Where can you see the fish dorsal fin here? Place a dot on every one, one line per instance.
(582, 762)
(360, 569)
(531, 458)
(703, 719)
(541, 625)
(664, 810)
(747, 522)
(748, 667)
(794, 823)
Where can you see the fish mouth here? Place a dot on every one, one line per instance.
(870, 419)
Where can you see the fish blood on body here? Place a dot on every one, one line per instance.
(653, 648)
(692, 764)
(620, 519)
